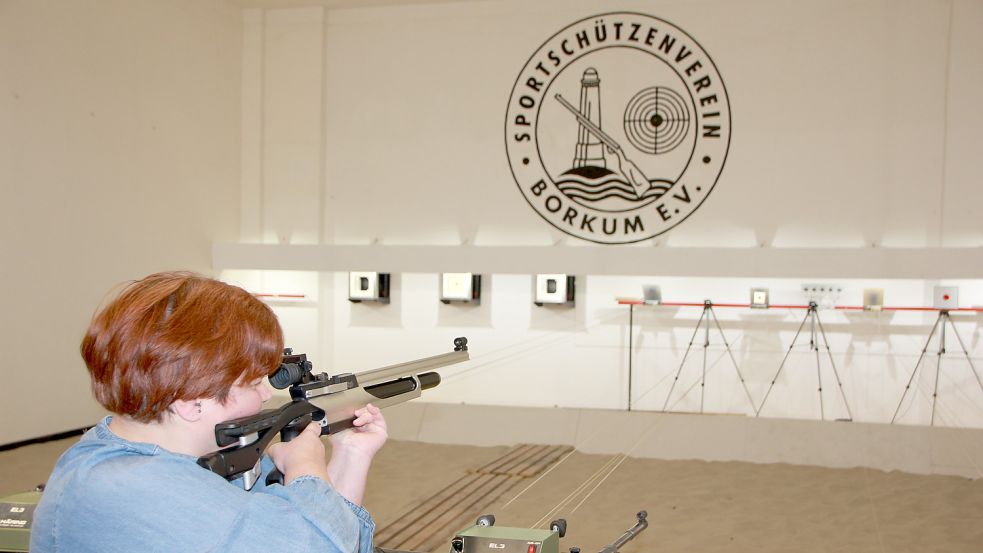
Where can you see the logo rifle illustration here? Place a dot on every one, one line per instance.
(627, 167)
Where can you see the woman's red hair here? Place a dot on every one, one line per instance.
(178, 336)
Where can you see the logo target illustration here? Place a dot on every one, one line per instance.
(656, 120)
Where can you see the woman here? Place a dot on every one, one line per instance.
(173, 355)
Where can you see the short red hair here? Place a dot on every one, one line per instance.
(178, 336)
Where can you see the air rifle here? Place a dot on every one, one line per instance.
(329, 401)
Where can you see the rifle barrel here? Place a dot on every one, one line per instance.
(409, 368)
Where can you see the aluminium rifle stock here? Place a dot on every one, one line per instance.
(329, 401)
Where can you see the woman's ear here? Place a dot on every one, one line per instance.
(189, 410)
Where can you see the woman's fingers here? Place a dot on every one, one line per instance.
(367, 415)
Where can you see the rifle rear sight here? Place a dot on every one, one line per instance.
(296, 372)
(293, 369)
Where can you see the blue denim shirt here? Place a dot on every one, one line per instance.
(108, 495)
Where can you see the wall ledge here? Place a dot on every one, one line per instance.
(675, 436)
(769, 262)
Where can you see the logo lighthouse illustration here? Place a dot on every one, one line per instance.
(643, 174)
(590, 151)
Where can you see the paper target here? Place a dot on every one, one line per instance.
(656, 120)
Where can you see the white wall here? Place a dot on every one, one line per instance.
(119, 156)
(853, 122)
(961, 223)
(841, 110)
(854, 125)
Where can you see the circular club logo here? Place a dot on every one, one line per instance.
(617, 128)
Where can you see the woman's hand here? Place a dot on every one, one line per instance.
(352, 452)
(303, 455)
(367, 436)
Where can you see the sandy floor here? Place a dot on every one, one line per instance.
(692, 505)
(700, 506)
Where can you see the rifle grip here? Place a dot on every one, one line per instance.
(288, 433)
(274, 477)
(294, 429)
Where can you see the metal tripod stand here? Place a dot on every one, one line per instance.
(812, 316)
(705, 316)
(939, 323)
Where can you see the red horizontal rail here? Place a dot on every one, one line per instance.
(632, 301)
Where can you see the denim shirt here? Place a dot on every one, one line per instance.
(107, 495)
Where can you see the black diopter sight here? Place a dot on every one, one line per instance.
(461, 344)
(292, 370)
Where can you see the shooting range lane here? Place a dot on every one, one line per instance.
(693, 505)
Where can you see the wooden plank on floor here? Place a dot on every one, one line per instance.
(434, 520)
(435, 504)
